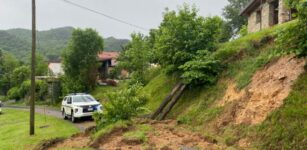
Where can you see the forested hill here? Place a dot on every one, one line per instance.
(50, 43)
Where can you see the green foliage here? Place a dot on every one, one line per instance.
(182, 34)
(232, 14)
(136, 58)
(79, 59)
(121, 105)
(8, 63)
(23, 90)
(14, 93)
(203, 69)
(20, 74)
(41, 65)
(294, 37)
(286, 127)
(50, 43)
(243, 31)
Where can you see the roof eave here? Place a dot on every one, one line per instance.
(249, 8)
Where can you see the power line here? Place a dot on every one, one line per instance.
(105, 15)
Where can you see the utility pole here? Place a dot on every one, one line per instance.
(32, 100)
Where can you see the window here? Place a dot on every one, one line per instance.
(69, 100)
(83, 98)
(258, 16)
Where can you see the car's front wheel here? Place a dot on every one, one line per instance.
(64, 114)
(73, 119)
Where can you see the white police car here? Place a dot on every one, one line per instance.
(79, 105)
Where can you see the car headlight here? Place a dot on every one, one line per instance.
(76, 110)
(99, 107)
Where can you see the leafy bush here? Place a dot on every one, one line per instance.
(203, 69)
(121, 105)
(20, 74)
(14, 93)
(294, 37)
(23, 90)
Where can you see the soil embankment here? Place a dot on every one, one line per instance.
(266, 92)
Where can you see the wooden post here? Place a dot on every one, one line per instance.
(32, 92)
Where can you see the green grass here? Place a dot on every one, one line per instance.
(195, 106)
(14, 129)
(157, 89)
(139, 133)
(135, 136)
(286, 128)
(109, 128)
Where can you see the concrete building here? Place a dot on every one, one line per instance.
(266, 13)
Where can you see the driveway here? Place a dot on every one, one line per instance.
(82, 123)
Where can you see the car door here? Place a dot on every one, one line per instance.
(68, 106)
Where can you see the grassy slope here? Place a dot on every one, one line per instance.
(157, 89)
(286, 128)
(14, 129)
(244, 57)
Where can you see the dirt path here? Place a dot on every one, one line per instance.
(162, 135)
(82, 124)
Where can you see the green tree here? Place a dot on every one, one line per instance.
(136, 57)
(41, 68)
(80, 60)
(182, 34)
(231, 13)
(19, 75)
(8, 63)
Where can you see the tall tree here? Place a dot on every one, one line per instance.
(7, 66)
(80, 60)
(182, 34)
(231, 12)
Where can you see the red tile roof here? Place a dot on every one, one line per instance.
(108, 56)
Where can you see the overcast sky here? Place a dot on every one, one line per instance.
(57, 13)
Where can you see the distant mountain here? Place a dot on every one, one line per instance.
(50, 43)
(113, 44)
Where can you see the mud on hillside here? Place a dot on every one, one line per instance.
(163, 135)
(266, 92)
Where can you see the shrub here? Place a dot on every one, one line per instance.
(294, 37)
(14, 93)
(203, 69)
(121, 105)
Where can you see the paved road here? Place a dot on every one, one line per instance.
(82, 123)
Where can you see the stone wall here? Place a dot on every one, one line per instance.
(267, 16)
(252, 25)
(284, 13)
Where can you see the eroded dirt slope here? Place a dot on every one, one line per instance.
(266, 92)
(163, 135)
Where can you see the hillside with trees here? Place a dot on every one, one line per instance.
(50, 43)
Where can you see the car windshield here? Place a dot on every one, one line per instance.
(83, 98)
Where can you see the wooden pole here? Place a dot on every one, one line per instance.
(32, 100)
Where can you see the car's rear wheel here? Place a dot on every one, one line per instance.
(64, 114)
